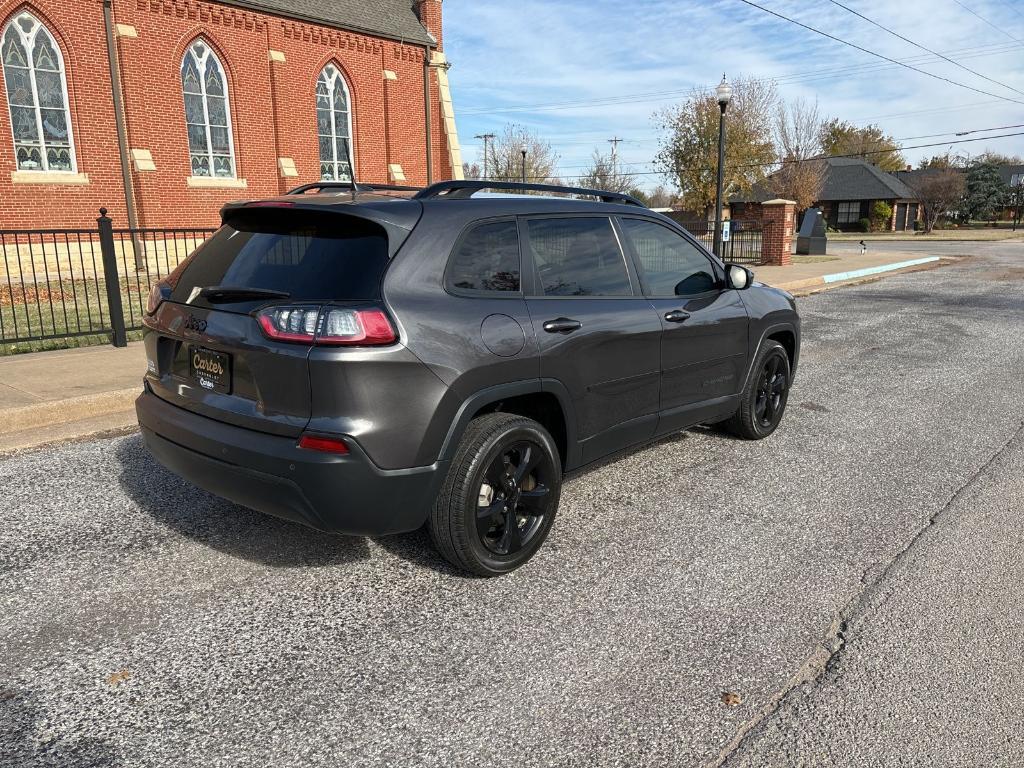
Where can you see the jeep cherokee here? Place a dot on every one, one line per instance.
(365, 363)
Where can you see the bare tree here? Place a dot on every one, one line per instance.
(601, 174)
(471, 171)
(505, 160)
(797, 138)
(661, 197)
(939, 191)
(689, 146)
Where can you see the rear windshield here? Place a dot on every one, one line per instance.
(311, 257)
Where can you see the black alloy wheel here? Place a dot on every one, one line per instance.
(513, 498)
(771, 392)
(500, 496)
(763, 400)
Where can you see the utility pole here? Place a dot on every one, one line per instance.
(487, 144)
(614, 141)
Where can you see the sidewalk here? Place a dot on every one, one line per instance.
(48, 397)
(51, 396)
(803, 277)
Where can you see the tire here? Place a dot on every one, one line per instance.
(502, 460)
(759, 414)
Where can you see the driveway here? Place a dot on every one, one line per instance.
(843, 593)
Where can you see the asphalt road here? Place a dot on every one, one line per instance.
(853, 581)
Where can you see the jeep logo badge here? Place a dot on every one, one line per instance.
(195, 324)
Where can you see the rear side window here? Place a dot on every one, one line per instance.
(311, 257)
(578, 257)
(486, 259)
(671, 264)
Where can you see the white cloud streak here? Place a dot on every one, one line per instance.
(511, 54)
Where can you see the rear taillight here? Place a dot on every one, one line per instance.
(157, 296)
(332, 326)
(290, 323)
(355, 326)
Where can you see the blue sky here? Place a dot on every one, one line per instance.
(524, 61)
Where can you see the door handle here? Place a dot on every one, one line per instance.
(677, 316)
(562, 325)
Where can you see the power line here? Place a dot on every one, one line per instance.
(854, 155)
(994, 26)
(829, 73)
(923, 48)
(875, 54)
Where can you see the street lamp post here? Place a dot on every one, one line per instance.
(724, 94)
(524, 166)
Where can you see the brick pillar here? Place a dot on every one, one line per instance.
(777, 238)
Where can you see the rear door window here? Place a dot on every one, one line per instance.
(310, 256)
(578, 256)
(486, 259)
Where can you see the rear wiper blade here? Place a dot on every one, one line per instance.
(225, 294)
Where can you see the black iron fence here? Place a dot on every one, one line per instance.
(66, 283)
(745, 243)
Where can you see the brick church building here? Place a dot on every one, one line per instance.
(193, 103)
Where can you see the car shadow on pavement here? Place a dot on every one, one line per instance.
(416, 547)
(221, 525)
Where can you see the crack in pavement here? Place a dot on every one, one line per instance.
(828, 651)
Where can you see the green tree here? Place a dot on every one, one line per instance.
(988, 157)
(688, 155)
(944, 162)
(986, 193)
(839, 137)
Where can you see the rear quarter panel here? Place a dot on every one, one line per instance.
(446, 332)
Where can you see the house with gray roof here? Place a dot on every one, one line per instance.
(850, 190)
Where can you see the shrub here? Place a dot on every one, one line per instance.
(881, 214)
(865, 225)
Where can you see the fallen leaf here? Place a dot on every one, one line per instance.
(731, 699)
(117, 678)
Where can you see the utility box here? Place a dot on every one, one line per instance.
(813, 238)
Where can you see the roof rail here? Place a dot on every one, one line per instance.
(349, 186)
(465, 189)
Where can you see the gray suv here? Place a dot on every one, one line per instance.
(366, 362)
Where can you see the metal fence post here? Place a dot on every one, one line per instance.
(110, 277)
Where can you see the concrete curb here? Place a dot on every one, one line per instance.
(72, 409)
(856, 274)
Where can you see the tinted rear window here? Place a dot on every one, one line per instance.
(487, 259)
(311, 257)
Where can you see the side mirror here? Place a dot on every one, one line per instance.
(738, 277)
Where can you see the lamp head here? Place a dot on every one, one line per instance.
(724, 92)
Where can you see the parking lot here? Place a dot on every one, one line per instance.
(843, 593)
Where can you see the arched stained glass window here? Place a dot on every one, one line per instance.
(207, 113)
(37, 96)
(334, 125)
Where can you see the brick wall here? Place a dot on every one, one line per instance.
(272, 104)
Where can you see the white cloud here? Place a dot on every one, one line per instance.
(510, 54)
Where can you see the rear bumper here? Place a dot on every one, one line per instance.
(269, 473)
